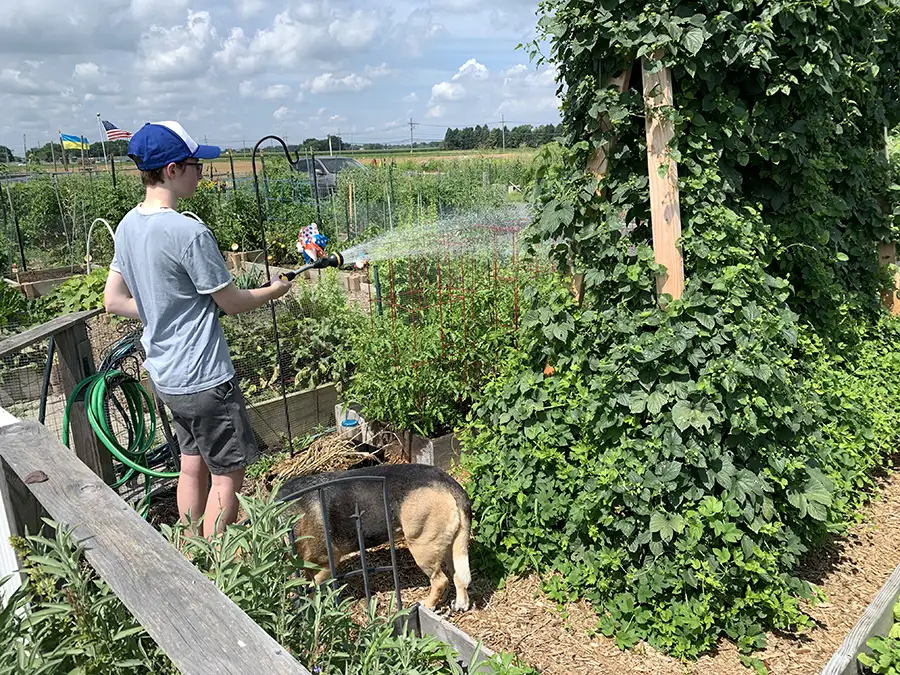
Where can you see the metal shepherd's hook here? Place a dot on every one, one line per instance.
(265, 249)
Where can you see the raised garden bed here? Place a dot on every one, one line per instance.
(35, 283)
(236, 259)
(442, 451)
(307, 409)
(876, 620)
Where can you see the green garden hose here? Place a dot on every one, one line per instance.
(98, 392)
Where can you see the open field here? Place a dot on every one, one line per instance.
(243, 165)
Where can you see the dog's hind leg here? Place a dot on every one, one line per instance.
(429, 557)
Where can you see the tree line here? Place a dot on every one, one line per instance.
(482, 136)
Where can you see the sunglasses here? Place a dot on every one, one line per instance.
(199, 165)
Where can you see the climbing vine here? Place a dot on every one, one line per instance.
(673, 465)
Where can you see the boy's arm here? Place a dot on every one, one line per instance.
(206, 267)
(234, 300)
(117, 298)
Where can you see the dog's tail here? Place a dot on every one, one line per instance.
(461, 546)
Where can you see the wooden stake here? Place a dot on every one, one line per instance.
(665, 210)
(599, 164)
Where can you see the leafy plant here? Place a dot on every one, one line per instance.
(14, 309)
(315, 325)
(421, 364)
(66, 619)
(671, 460)
(76, 294)
(885, 656)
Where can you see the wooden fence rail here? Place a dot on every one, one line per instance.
(198, 627)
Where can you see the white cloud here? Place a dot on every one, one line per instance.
(180, 52)
(87, 71)
(447, 91)
(225, 67)
(381, 70)
(246, 89)
(327, 83)
(16, 82)
(310, 32)
(143, 10)
(515, 91)
(473, 70)
(276, 91)
(418, 31)
(356, 30)
(249, 8)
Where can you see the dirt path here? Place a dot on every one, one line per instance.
(520, 619)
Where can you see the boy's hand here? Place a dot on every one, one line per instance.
(280, 287)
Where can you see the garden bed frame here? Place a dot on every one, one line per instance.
(440, 451)
(47, 280)
(875, 620)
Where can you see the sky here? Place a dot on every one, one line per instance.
(233, 71)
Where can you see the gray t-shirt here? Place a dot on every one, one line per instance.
(171, 264)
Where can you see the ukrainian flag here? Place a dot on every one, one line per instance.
(74, 142)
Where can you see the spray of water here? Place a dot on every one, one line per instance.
(463, 234)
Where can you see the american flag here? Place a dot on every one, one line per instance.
(113, 132)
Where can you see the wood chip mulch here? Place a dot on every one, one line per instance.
(520, 619)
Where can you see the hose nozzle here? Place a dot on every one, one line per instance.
(331, 260)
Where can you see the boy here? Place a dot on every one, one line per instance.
(167, 271)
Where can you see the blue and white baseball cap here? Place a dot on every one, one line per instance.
(157, 144)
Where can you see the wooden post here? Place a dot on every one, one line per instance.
(887, 255)
(665, 210)
(76, 362)
(11, 520)
(599, 164)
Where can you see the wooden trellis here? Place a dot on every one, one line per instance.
(665, 210)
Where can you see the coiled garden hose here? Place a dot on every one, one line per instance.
(99, 391)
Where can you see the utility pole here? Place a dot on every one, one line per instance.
(340, 142)
(411, 125)
(25, 153)
(503, 130)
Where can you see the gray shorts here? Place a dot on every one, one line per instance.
(214, 424)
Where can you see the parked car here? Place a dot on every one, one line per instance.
(326, 171)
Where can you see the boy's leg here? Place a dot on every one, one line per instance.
(222, 504)
(193, 487)
(218, 428)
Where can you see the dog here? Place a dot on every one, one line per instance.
(428, 508)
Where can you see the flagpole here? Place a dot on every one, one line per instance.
(62, 147)
(102, 132)
(83, 162)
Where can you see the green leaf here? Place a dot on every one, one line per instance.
(682, 415)
(668, 471)
(659, 523)
(693, 40)
(656, 401)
